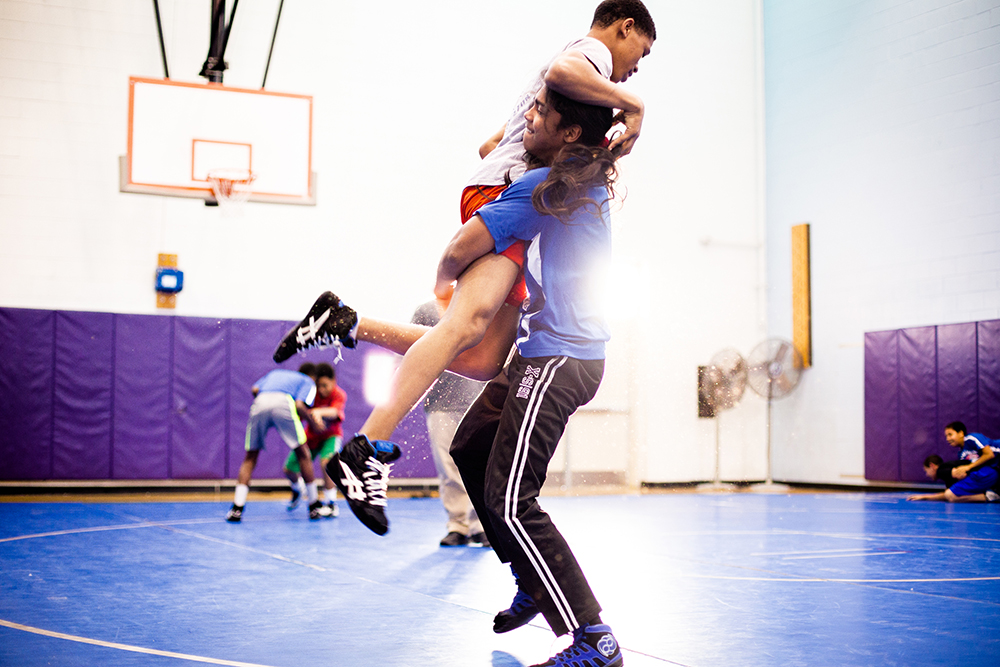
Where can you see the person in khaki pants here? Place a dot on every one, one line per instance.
(444, 406)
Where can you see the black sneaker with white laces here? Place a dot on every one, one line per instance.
(361, 472)
(316, 511)
(328, 323)
(235, 514)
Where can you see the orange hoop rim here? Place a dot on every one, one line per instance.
(242, 176)
(231, 185)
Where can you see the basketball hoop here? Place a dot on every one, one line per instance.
(232, 188)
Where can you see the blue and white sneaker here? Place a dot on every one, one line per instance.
(593, 646)
(521, 610)
(361, 472)
(328, 323)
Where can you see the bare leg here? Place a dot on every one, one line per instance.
(974, 498)
(328, 485)
(476, 314)
(246, 468)
(305, 463)
(480, 287)
(392, 336)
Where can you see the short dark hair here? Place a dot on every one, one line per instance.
(933, 458)
(593, 120)
(958, 427)
(610, 11)
(308, 369)
(325, 370)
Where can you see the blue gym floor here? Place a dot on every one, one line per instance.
(685, 579)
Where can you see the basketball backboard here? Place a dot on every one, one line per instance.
(179, 132)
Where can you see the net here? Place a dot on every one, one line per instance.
(232, 188)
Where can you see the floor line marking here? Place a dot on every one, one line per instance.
(127, 647)
(99, 529)
(843, 581)
(851, 555)
(819, 551)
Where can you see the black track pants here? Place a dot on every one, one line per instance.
(503, 448)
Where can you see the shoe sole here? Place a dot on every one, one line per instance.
(513, 622)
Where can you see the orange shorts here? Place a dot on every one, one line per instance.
(473, 198)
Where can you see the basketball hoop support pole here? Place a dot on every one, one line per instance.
(159, 31)
(270, 51)
(215, 64)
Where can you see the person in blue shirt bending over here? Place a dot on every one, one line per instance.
(977, 472)
(282, 398)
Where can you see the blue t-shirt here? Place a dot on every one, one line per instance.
(973, 447)
(299, 386)
(565, 270)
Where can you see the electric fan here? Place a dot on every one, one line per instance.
(774, 369)
(723, 385)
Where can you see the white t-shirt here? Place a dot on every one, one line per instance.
(509, 153)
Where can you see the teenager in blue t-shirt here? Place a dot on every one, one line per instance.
(507, 438)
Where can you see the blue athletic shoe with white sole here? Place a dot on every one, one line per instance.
(593, 646)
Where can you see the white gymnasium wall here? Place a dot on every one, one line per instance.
(404, 94)
(883, 132)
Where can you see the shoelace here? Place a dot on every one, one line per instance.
(377, 481)
(325, 342)
(312, 336)
(570, 652)
(310, 331)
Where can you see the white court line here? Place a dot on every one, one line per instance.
(842, 581)
(126, 647)
(850, 555)
(100, 529)
(820, 551)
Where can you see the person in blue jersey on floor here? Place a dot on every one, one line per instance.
(976, 475)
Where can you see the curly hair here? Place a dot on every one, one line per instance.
(576, 170)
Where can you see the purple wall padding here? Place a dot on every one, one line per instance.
(957, 386)
(26, 384)
(411, 434)
(108, 396)
(934, 375)
(988, 359)
(251, 344)
(198, 431)
(882, 405)
(82, 406)
(142, 397)
(918, 419)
